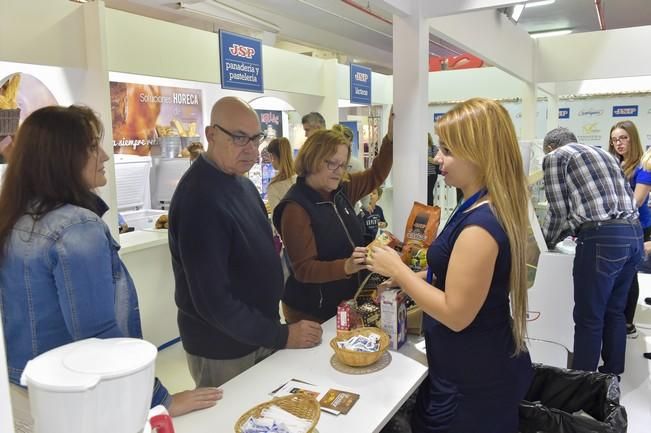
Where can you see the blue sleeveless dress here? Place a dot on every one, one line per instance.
(475, 384)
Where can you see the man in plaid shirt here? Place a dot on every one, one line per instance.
(590, 198)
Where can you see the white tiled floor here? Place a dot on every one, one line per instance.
(172, 369)
(636, 384)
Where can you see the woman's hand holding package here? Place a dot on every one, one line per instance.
(385, 261)
(196, 399)
(356, 262)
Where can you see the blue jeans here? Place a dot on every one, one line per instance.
(607, 257)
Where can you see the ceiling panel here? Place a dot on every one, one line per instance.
(333, 26)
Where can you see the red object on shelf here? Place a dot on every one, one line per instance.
(462, 61)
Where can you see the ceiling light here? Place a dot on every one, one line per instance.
(550, 33)
(539, 3)
(517, 11)
(222, 12)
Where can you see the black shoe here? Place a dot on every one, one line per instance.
(647, 301)
(631, 331)
(647, 355)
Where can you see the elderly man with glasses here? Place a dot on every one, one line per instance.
(228, 275)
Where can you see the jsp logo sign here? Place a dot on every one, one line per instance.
(238, 50)
(625, 110)
(360, 76)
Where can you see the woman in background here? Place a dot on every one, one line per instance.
(479, 367)
(432, 169)
(61, 279)
(283, 162)
(626, 146)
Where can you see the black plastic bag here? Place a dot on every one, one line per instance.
(556, 394)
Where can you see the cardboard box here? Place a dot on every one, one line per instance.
(347, 317)
(393, 317)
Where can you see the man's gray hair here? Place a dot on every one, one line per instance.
(558, 137)
(314, 118)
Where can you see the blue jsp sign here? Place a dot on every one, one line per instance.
(241, 62)
(360, 84)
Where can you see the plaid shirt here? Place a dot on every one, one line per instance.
(583, 184)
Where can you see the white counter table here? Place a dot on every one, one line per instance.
(381, 393)
(146, 255)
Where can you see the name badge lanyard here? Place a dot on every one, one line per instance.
(461, 208)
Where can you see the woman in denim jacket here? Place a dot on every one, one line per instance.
(61, 278)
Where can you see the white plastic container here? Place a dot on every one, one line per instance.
(144, 219)
(98, 386)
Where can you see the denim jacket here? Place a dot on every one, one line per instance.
(61, 280)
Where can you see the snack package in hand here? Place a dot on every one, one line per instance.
(384, 238)
(420, 232)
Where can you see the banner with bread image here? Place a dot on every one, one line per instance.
(20, 95)
(154, 120)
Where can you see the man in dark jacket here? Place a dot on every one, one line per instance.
(227, 273)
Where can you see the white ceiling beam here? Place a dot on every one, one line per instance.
(441, 8)
(491, 36)
(395, 7)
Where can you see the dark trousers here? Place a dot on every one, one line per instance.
(431, 182)
(606, 261)
(634, 291)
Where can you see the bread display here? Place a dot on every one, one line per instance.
(162, 222)
(9, 93)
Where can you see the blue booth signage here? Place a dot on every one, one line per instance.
(360, 84)
(241, 62)
(563, 113)
(625, 110)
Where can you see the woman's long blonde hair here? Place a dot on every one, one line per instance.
(282, 150)
(481, 131)
(635, 151)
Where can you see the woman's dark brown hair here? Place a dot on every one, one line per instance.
(50, 152)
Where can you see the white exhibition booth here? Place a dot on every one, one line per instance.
(75, 51)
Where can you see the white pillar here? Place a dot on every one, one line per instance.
(96, 96)
(529, 98)
(552, 110)
(410, 94)
(330, 105)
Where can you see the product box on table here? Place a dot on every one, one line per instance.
(347, 317)
(393, 317)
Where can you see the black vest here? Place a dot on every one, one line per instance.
(337, 231)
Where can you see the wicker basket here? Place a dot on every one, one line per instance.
(359, 359)
(300, 405)
(9, 119)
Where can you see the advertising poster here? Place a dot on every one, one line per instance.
(24, 92)
(154, 120)
(352, 125)
(271, 123)
(591, 119)
(360, 84)
(240, 62)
